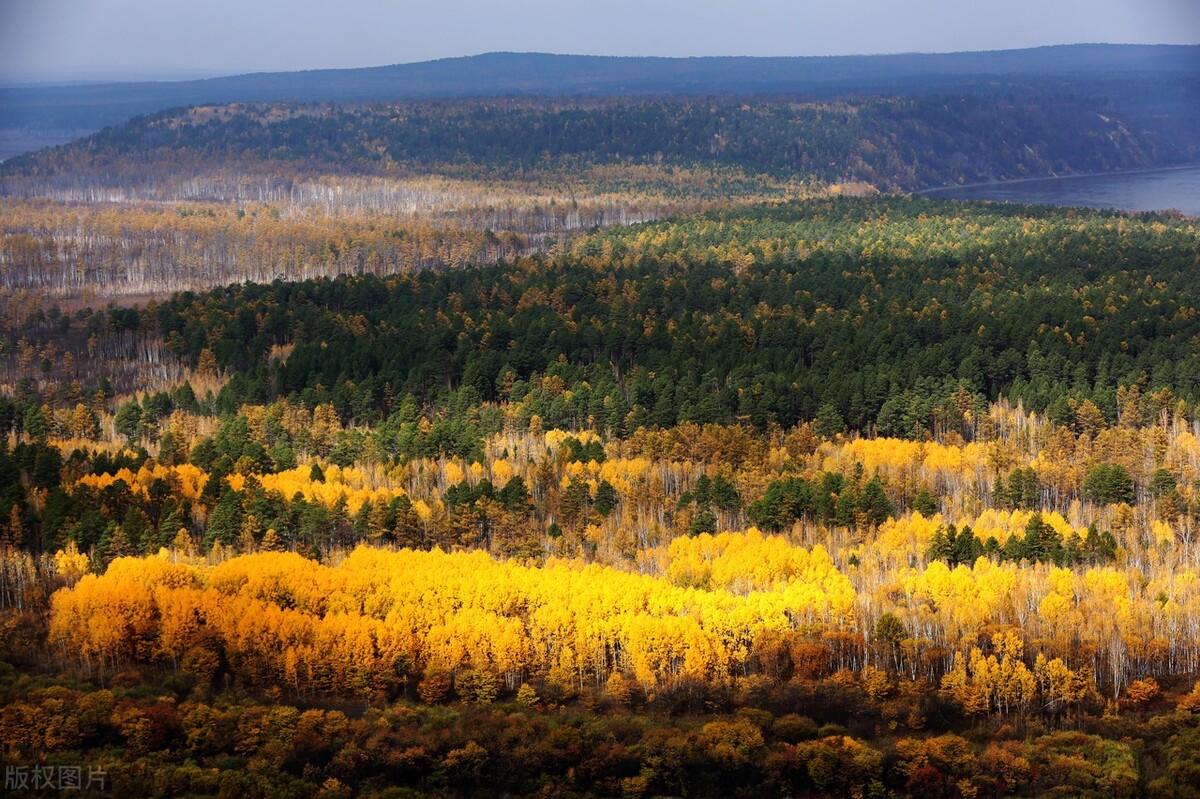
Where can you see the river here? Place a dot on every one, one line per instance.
(1155, 190)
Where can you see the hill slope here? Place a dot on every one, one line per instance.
(902, 143)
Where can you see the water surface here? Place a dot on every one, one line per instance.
(1157, 190)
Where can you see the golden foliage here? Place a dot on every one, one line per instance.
(289, 621)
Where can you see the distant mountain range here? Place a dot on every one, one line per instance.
(1087, 68)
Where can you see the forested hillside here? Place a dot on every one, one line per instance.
(911, 142)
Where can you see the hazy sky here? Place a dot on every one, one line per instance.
(136, 38)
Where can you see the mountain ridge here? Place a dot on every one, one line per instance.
(89, 107)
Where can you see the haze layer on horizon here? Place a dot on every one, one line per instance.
(150, 39)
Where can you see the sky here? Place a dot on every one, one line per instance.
(170, 39)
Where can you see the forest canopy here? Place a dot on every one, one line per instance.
(878, 309)
(903, 142)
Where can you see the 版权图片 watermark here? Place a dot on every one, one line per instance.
(54, 778)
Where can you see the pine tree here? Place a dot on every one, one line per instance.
(965, 548)
(704, 522)
(575, 503)
(925, 504)
(128, 421)
(940, 547)
(225, 521)
(874, 502)
(606, 498)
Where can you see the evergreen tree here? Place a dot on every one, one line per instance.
(704, 522)
(128, 421)
(606, 498)
(225, 521)
(940, 547)
(965, 548)
(925, 504)
(1108, 484)
(874, 502)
